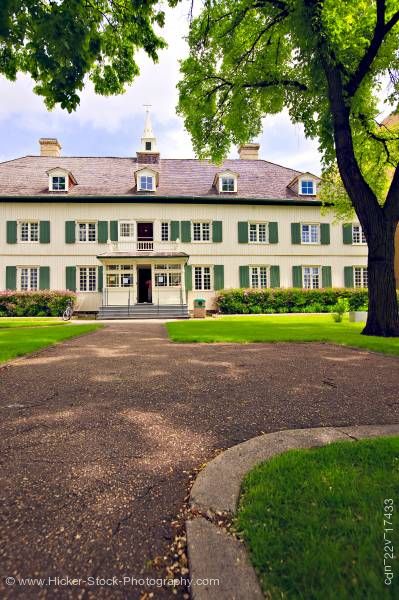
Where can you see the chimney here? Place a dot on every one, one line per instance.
(49, 147)
(249, 151)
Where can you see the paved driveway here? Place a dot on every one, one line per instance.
(98, 434)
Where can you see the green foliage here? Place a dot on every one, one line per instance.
(251, 59)
(340, 309)
(34, 304)
(60, 43)
(324, 505)
(295, 300)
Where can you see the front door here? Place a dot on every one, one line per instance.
(144, 283)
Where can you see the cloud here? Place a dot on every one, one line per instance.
(113, 125)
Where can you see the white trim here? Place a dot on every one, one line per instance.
(201, 222)
(306, 179)
(257, 223)
(310, 243)
(19, 232)
(87, 241)
(319, 275)
(211, 278)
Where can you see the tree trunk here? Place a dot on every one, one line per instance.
(383, 314)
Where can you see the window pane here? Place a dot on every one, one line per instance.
(227, 184)
(92, 279)
(254, 277)
(197, 232)
(207, 278)
(161, 279)
(307, 187)
(252, 232)
(263, 277)
(205, 232)
(198, 278)
(24, 232)
(165, 232)
(24, 279)
(262, 232)
(82, 232)
(34, 232)
(126, 230)
(92, 232)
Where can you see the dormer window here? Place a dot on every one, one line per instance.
(307, 187)
(58, 184)
(146, 183)
(60, 180)
(226, 182)
(147, 179)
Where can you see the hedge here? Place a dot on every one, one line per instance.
(269, 301)
(34, 304)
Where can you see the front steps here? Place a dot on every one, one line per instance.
(144, 311)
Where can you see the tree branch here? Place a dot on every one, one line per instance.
(380, 31)
(275, 82)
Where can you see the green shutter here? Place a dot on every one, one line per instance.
(70, 278)
(325, 233)
(188, 276)
(102, 232)
(174, 230)
(113, 231)
(100, 277)
(44, 232)
(244, 276)
(274, 276)
(44, 278)
(273, 233)
(348, 277)
(296, 233)
(297, 277)
(242, 232)
(70, 228)
(218, 277)
(347, 233)
(326, 277)
(11, 232)
(217, 231)
(11, 278)
(185, 231)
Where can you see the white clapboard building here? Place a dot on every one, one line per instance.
(147, 234)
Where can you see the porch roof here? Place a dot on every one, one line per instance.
(141, 254)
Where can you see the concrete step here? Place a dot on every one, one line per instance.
(144, 311)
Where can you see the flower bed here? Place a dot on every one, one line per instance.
(34, 304)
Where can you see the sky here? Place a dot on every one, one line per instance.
(112, 126)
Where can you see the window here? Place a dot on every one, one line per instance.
(87, 232)
(146, 183)
(202, 278)
(310, 233)
(259, 277)
(165, 232)
(87, 279)
(28, 278)
(167, 275)
(29, 231)
(120, 276)
(148, 146)
(126, 230)
(58, 183)
(360, 277)
(311, 278)
(358, 236)
(201, 232)
(258, 233)
(307, 187)
(228, 184)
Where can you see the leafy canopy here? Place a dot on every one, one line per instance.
(249, 58)
(59, 42)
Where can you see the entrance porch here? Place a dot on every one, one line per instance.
(143, 286)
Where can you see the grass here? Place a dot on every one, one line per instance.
(18, 340)
(286, 328)
(30, 322)
(313, 521)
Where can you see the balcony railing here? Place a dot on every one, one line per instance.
(144, 246)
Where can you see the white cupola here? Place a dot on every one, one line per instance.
(148, 154)
(148, 140)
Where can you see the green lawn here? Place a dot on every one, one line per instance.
(287, 328)
(19, 340)
(30, 321)
(313, 521)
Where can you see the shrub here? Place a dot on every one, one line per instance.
(255, 301)
(44, 303)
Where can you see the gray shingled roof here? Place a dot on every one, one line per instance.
(102, 176)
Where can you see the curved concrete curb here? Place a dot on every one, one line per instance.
(212, 553)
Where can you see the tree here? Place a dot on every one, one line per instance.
(325, 61)
(60, 42)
